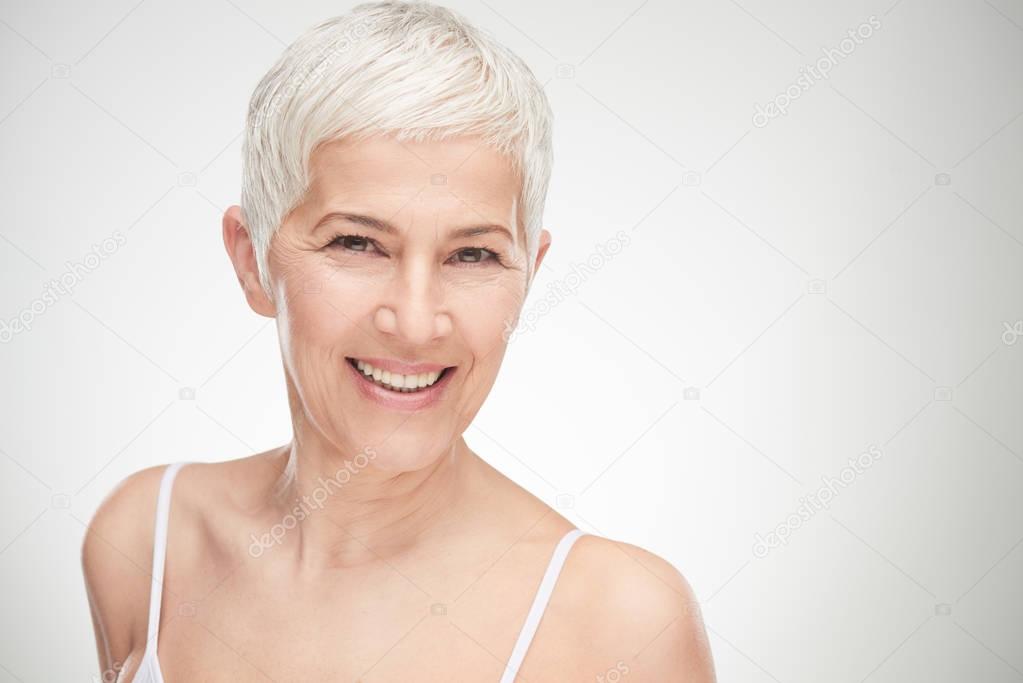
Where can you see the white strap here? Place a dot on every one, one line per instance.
(543, 596)
(160, 551)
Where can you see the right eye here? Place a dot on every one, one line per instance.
(353, 243)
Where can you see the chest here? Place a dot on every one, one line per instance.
(426, 648)
(385, 630)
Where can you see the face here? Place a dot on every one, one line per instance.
(394, 283)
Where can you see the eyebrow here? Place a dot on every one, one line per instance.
(390, 229)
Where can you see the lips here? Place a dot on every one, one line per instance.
(416, 378)
(371, 385)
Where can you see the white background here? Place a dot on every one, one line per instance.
(848, 275)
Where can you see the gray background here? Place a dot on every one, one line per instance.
(848, 276)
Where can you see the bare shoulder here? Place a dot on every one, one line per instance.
(118, 539)
(116, 557)
(639, 605)
(117, 549)
(118, 543)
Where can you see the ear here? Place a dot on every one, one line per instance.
(545, 243)
(243, 257)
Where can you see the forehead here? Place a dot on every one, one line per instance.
(460, 177)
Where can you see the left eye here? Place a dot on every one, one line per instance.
(353, 242)
(475, 255)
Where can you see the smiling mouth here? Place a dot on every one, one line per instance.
(392, 381)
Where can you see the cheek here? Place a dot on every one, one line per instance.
(483, 317)
(322, 313)
(323, 299)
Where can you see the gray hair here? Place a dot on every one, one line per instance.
(413, 70)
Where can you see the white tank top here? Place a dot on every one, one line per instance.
(149, 669)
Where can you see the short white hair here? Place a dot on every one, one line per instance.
(413, 70)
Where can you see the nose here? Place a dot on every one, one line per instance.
(412, 308)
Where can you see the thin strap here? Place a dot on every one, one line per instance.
(543, 596)
(160, 551)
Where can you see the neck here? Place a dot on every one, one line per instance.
(339, 510)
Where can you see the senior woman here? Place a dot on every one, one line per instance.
(396, 163)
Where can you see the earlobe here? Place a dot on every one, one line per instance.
(243, 259)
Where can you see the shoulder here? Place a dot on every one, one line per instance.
(122, 526)
(120, 534)
(116, 557)
(117, 549)
(118, 541)
(626, 593)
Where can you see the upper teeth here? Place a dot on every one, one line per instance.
(423, 379)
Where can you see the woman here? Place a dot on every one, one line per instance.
(396, 164)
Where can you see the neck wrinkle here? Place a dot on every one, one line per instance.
(372, 515)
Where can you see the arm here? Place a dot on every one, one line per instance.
(116, 564)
